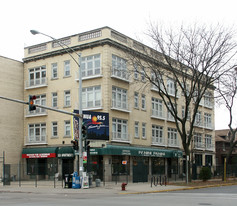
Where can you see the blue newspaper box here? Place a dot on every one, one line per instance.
(76, 181)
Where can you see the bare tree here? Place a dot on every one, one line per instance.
(226, 90)
(185, 64)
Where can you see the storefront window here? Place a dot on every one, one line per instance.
(158, 166)
(120, 165)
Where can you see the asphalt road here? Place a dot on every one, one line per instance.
(220, 196)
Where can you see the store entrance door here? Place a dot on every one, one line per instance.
(67, 167)
(140, 169)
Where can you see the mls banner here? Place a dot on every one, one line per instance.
(75, 126)
(97, 124)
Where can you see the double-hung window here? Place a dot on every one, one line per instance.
(67, 98)
(54, 99)
(67, 128)
(171, 87)
(54, 129)
(157, 134)
(119, 67)
(157, 108)
(136, 129)
(197, 140)
(136, 100)
(91, 97)
(207, 120)
(172, 137)
(144, 130)
(143, 101)
(37, 133)
(119, 98)
(90, 65)
(208, 141)
(54, 70)
(67, 71)
(119, 129)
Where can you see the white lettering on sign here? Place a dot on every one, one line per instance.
(100, 117)
(86, 116)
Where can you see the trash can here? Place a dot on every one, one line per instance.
(76, 181)
(97, 182)
(68, 181)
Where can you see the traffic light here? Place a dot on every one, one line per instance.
(84, 130)
(31, 102)
(75, 144)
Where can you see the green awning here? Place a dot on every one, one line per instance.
(39, 152)
(66, 153)
(136, 151)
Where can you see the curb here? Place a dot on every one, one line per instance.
(180, 189)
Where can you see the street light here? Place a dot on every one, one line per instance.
(68, 49)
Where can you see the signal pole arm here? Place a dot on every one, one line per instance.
(41, 106)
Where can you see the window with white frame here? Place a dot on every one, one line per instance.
(208, 141)
(67, 98)
(136, 100)
(172, 137)
(54, 99)
(171, 87)
(169, 113)
(67, 128)
(143, 78)
(136, 129)
(119, 98)
(157, 134)
(119, 67)
(208, 100)
(54, 70)
(37, 133)
(136, 73)
(198, 119)
(144, 130)
(207, 120)
(37, 76)
(183, 113)
(197, 140)
(158, 82)
(119, 129)
(40, 100)
(54, 129)
(157, 107)
(91, 97)
(90, 65)
(67, 71)
(143, 101)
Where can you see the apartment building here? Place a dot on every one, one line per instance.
(11, 115)
(142, 140)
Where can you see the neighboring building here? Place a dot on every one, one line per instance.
(143, 140)
(222, 148)
(11, 114)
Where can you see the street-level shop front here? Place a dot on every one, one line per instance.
(134, 164)
(48, 162)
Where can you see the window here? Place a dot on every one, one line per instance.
(169, 113)
(143, 78)
(54, 70)
(157, 108)
(54, 99)
(208, 142)
(171, 87)
(207, 120)
(136, 100)
(91, 97)
(37, 76)
(67, 99)
(119, 98)
(67, 68)
(143, 101)
(183, 113)
(136, 128)
(157, 134)
(144, 130)
(158, 81)
(208, 100)
(198, 119)
(119, 129)
(40, 100)
(90, 65)
(197, 140)
(54, 129)
(67, 128)
(172, 137)
(37, 133)
(198, 159)
(119, 67)
(136, 73)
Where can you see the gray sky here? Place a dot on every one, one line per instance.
(64, 18)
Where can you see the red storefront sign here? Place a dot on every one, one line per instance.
(41, 155)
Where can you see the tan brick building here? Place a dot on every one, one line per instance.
(143, 140)
(11, 113)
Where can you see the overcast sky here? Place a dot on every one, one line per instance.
(64, 18)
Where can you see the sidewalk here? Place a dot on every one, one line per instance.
(109, 188)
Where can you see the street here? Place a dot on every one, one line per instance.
(209, 196)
